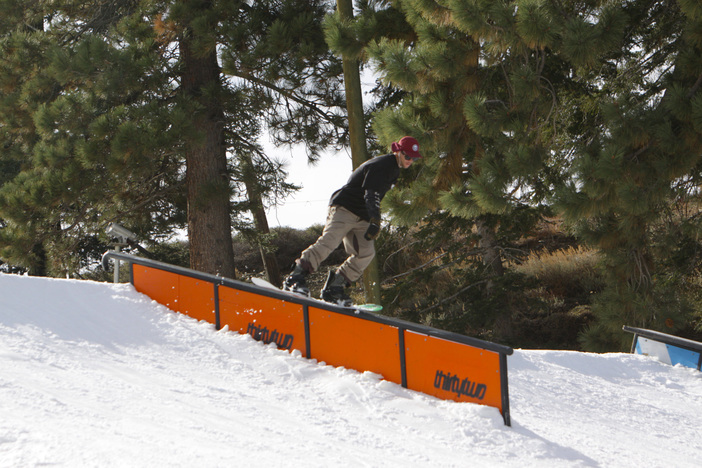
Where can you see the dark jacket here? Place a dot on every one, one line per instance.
(368, 185)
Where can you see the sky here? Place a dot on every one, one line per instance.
(308, 206)
(98, 375)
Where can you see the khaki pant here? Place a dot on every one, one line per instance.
(342, 225)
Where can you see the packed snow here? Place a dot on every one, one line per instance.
(98, 375)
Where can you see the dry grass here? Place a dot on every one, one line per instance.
(564, 272)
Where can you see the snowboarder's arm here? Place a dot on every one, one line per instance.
(372, 199)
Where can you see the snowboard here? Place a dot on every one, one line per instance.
(365, 307)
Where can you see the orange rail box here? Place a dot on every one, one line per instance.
(452, 371)
(190, 296)
(348, 341)
(265, 318)
(438, 363)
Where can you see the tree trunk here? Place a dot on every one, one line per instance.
(490, 252)
(357, 137)
(209, 225)
(489, 248)
(253, 192)
(270, 263)
(38, 266)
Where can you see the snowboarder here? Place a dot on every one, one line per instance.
(354, 218)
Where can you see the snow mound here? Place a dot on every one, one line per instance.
(95, 374)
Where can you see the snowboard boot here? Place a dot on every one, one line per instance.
(334, 290)
(297, 281)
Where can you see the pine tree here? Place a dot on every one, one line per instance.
(592, 100)
(128, 101)
(88, 146)
(470, 171)
(635, 177)
(440, 71)
(20, 46)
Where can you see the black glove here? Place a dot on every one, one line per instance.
(373, 229)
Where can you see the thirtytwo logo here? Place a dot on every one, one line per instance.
(261, 333)
(453, 383)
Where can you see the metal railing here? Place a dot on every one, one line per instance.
(672, 349)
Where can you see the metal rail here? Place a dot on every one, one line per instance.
(249, 287)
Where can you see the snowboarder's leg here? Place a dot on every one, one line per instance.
(360, 250)
(334, 290)
(296, 281)
(339, 222)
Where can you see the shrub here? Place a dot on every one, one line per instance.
(573, 272)
(287, 244)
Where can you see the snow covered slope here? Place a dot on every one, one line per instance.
(95, 374)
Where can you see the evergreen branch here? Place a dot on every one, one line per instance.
(424, 265)
(414, 269)
(550, 88)
(329, 118)
(508, 83)
(640, 151)
(695, 87)
(443, 301)
(146, 200)
(644, 273)
(400, 250)
(542, 62)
